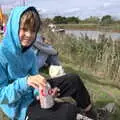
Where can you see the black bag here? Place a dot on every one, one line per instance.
(60, 111)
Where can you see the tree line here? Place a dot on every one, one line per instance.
(105, 20)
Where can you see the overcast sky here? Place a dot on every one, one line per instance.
(80, 8)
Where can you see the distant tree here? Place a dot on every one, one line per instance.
(115, 20)
(73, 20)
(59, 20)
(92, 19)
(107, 19)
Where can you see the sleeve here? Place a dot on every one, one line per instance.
(10, 93)
(34, 68)
(47, 49)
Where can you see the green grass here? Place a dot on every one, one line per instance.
(102, 91)
(97, 63)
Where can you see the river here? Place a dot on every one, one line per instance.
(94, 34)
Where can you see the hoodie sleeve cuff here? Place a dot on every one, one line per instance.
(23, 84)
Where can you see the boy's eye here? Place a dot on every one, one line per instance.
(25, 29)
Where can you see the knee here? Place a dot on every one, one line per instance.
(75, 79)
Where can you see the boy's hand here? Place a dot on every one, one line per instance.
(36, 81)
(55, 92)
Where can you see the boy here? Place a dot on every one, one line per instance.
(17, 63)
(19, 76)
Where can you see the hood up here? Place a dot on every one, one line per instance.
(11, 41)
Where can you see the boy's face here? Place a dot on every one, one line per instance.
(26, 37)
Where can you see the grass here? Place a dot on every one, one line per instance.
(97, 63)
(101, 91)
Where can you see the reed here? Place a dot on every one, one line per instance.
(101, 55)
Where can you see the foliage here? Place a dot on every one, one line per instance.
(102, 55)
(92, 19)
(72, 20)
(65, 20)
(59, 20)
(99, 61)
(107, 19)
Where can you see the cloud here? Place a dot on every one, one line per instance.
(72, 10)
(107, 4)
(42, 10)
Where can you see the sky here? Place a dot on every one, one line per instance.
(79, 8)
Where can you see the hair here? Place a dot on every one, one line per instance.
(30, 19)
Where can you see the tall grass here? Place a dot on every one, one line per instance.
(101, 55)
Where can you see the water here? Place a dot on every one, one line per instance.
(94, 34)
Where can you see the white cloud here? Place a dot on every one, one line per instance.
(107, 4)
(42, 10)
(72, 10)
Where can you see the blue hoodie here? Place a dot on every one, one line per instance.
(15, 66)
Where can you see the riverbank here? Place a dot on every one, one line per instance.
(93, 27)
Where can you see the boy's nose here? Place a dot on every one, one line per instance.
(28, 33)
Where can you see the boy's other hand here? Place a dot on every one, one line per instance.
(36, 81)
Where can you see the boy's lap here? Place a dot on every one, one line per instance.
(60, 111)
